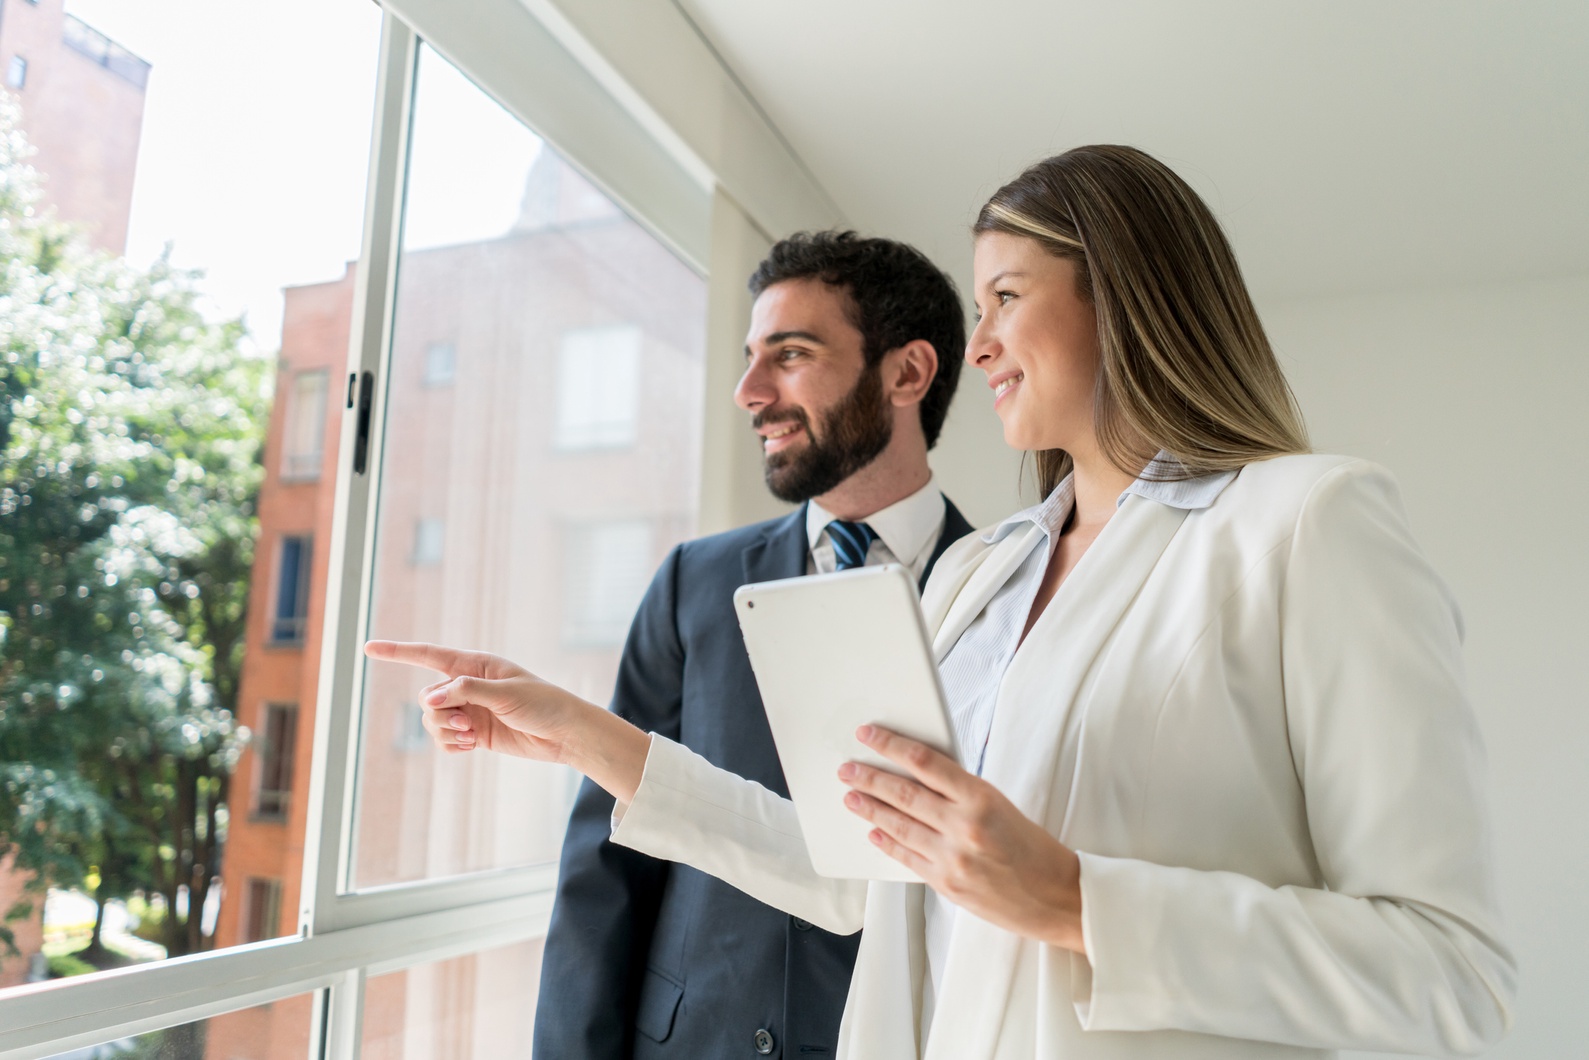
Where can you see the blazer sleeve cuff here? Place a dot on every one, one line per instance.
(692, 812)
(1116, 984)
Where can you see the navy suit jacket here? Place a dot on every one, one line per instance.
(647, 959)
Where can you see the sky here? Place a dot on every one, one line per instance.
(254, 152)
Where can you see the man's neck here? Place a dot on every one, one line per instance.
(899, 470)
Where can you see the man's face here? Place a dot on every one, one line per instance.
(819, 410)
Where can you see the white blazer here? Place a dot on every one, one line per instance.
(1276, 796)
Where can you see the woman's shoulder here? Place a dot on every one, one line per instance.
(1285, 486)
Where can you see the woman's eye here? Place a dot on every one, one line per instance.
(1004, 296)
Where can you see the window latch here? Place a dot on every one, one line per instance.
(361, 440)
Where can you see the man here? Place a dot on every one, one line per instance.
(852, 358)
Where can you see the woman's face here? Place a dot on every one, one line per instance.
(1037, 341)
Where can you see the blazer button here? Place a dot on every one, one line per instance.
(802, 925)
(763, 1043)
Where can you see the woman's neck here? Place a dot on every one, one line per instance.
(1098, 487)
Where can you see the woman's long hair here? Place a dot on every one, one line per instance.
(1185, 366)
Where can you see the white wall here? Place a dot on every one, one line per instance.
(732, 490)
(1476, 400)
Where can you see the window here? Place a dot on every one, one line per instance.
(304, 441)
(197, 269)
(505, 257)
(274, 752)
(478, 1005)
(439, 363)
(569, 260)
(263, 907)
(429, 537)
(609, 566)
(293, 566)
(598, 387)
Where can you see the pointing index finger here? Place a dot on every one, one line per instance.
(449, 661)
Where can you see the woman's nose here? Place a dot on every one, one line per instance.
(981, 347)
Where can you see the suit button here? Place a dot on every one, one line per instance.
(802, 925)
(763, 1043)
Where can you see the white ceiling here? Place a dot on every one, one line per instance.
(1347, 146)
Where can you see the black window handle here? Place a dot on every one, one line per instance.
(361, 441)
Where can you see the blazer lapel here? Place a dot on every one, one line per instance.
(1040, 688)
(953, 607)
(780, 552)
(882, 1018)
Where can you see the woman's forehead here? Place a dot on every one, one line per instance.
(997, 255)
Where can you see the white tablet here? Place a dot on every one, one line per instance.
(832, 652)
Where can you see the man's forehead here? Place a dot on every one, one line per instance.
(807, 309)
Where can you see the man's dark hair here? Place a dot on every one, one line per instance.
(896, 296)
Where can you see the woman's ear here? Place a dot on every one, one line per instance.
(908, 372)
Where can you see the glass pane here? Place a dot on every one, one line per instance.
(479, 1006)
(160, 587)
(277, 1031)
(541, 457)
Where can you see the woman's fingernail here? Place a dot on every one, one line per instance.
(460, 722)
(865, 732)
(437, 697)
(853, 800)
(847, 771)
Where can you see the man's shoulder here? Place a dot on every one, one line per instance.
(714, 547)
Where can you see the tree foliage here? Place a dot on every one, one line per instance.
(130, 432)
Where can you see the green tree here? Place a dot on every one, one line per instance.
(130, 431)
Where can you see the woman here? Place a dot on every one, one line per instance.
(1224, 796)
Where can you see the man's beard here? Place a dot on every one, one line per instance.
(854, 432)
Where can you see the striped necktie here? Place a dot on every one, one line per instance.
(850, 542)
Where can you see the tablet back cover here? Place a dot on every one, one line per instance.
(832, 652)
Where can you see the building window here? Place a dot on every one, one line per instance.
(441, 362)
(17, 72)
(304, 445)
(262, 910)
(608, 567)
(429, 537)
(292, 590)
(598, 387)
(275, 753)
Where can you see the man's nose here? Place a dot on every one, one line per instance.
(754, 391)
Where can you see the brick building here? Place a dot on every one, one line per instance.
(82, 98)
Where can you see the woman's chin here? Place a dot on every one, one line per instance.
(1018, 438)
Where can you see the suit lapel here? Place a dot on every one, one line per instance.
(780, 552)
(954, 528)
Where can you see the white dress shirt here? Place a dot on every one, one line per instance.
(907, 531)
